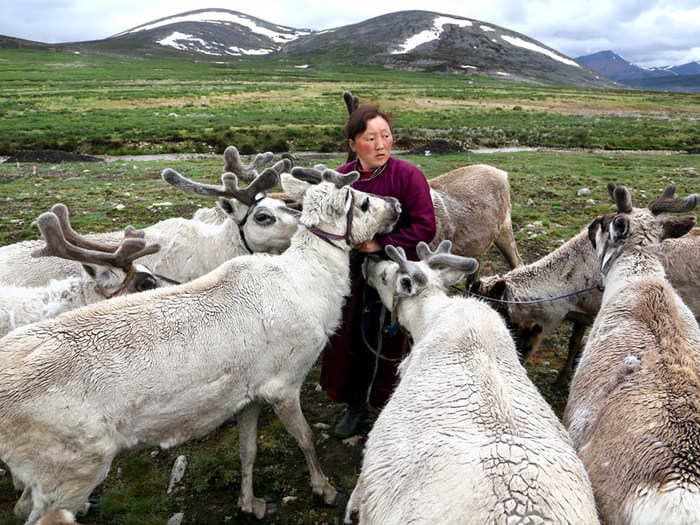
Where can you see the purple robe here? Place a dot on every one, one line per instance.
(407, 183)
(350, 372)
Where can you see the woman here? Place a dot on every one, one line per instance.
(351, 371)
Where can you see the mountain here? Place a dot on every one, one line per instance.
(668, 78)
(213, 32)
(432, 41)
(417, 40)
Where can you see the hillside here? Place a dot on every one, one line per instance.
(409, 40)
(430, 41)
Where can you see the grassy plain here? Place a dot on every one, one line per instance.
(547, 210)
(110, 105)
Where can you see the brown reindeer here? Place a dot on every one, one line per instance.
(634, 405)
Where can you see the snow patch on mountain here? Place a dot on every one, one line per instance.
(519, 42)
(185, 42)
(431, 34)
(224, 18)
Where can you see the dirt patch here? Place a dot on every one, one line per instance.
(50, 155)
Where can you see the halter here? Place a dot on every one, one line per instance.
(330, 237)
(536, 301)
(241, 224)
(129, 276)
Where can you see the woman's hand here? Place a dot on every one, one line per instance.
(370, 246)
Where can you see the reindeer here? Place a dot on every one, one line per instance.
(109, 271)
(189, 248)
(169, 365)
(634, 406)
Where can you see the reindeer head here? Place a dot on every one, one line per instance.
(642, 227)
(331, 206)
(399, 277)
(110, 266)
(265, 224)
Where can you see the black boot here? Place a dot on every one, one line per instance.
(350, 423)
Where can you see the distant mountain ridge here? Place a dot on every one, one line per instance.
(418, 40)
(684, 77)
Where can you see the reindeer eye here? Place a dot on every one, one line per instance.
(264, 218)
(365, 204)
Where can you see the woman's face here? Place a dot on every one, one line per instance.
(373, 146)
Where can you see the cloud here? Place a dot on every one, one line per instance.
(646, 32)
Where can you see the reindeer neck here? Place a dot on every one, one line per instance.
(575, 259)
(64, 295)
(633, 264)
(418, 314)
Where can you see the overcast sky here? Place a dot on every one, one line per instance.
(645, 32)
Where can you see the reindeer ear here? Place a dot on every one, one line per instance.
(674, 227)
(593, 230)
(498, 290)
(619, 228)
(404, 286)
(228, 205)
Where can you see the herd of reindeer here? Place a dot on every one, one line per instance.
(157, 336)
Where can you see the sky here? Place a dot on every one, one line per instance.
(644, 32)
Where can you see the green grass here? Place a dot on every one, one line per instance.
(546, 211)
(97, 104)
(107, 105)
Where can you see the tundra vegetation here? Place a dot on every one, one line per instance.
(106, 105)
(109, 105)
(105, 196)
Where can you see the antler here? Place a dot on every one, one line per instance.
(122, 256)
(398, 255)
(61, 212)
(229, 188)
(311, 175)
(442, 256)
(621, 196)
(351, 101)
(425, 253)
(668, 202)
(232, 163)
(320, 173)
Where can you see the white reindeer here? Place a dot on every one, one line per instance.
(634, 405)
(109, 271)
(169, 365)
(466, 438)
(189, 248)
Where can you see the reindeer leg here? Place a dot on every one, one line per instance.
(567, 370)
(288, 410)
(505, 242)
(247, 420)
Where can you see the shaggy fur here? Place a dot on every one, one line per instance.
(189, 248)
(466, 438)
(165, 366)
(634, 404)
(571, 267)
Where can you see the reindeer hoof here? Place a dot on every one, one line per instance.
(340, 500)
(260, 507)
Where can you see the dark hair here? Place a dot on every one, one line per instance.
(357, 123)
